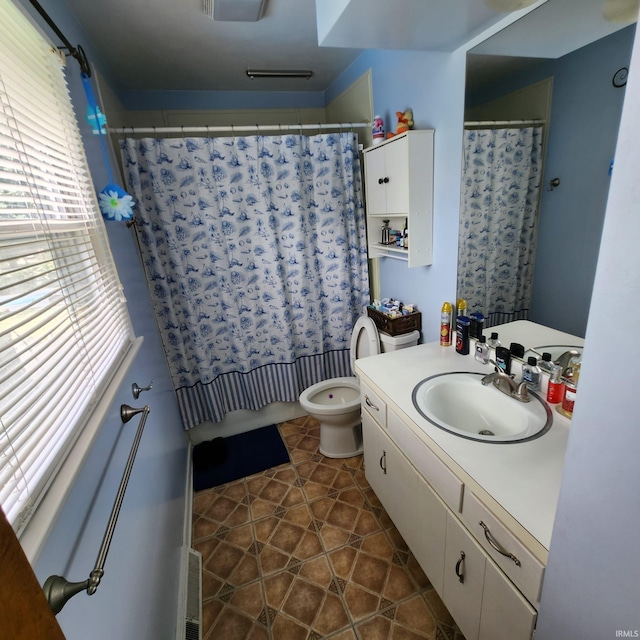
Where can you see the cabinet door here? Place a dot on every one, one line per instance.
(375, 173)
(463, 578)
(397, 171)
(428, 539)
(391, 477)
(506, 615)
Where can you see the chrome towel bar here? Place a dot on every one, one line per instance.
(57, 589)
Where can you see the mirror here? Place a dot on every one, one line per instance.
(579, 94)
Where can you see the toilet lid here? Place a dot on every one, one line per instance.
(364, 340)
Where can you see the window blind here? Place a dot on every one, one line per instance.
(64, 325)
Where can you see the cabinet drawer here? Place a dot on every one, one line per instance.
(446, 484)
(374, 404)
(523, 569)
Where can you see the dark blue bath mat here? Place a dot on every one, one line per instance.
(223, 460)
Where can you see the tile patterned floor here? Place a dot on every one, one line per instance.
(305, 551)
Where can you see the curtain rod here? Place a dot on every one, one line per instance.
(240, 128)
(502, 123)
(77, 52)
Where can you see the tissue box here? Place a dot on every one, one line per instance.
(398, 325)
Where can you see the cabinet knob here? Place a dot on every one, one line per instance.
(383, 180)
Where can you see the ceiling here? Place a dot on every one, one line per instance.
(171, 45)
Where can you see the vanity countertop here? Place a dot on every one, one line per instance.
(523, 478)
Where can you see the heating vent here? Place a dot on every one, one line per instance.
(207, 7)
(190, 627)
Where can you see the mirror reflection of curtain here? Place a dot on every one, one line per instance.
(498, 220)
(255, 253)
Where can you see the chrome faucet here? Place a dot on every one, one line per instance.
(564, 361)
(505, 383)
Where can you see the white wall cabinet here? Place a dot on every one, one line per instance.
(482, 599)
(399, 188)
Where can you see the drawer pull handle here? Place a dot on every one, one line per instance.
(383, 458)
(496, 545)
(460, 567)
(370, 404)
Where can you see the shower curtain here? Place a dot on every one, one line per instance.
(254, 249)
(498, 218)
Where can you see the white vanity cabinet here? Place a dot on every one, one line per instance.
(399, 188)
(481, 599)
(439, 520)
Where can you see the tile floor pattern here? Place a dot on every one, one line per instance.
(305, 551)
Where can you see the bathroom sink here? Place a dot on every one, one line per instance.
(458, 403)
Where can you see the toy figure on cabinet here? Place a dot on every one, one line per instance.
(405, 122)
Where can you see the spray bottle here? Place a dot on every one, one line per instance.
(445, 325)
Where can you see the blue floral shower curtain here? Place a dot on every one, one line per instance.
(255, 253)
(498, 220)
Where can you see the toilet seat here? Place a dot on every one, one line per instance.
(365, 340)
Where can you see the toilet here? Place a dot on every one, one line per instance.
(335, 403)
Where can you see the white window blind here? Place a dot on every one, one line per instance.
(64, 326)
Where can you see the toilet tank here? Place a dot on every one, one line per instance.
(395, 343)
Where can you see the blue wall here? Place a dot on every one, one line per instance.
(138, 595)
(585, 113)
(164, 100)
(432, 84)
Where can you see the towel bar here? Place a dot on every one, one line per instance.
(57, 589)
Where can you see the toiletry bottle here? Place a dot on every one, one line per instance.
(545, 363)
(503, 359)
(569, 399)
(462, 335)
(555, 391)
(405, 234)
(461, 307)
(517, 350)
(477, 325)
(482, 350)
(531, 374)
(493, 341)
(445, 325)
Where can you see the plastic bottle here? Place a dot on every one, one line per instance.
(445, 325)
(531, 374)
(477, 324)
(503, 359)
(555, 391)
(517, 350)
(545, 363)
(482, 350)
(462, 335)
(493, 341)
